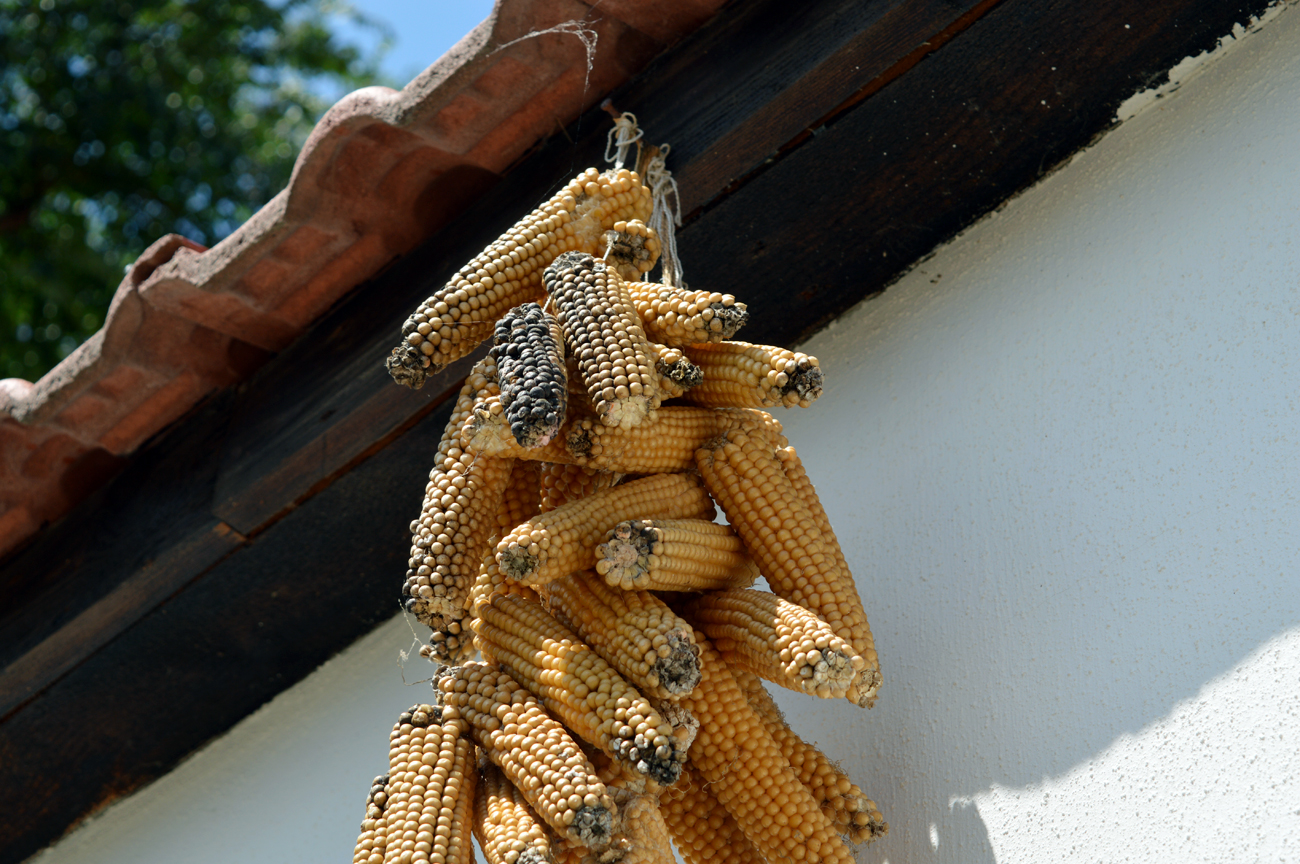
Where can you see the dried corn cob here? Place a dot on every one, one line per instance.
(456, 318)
(677, 316)
(564, 540)
(534, 751)
(677, 374)
(665, 444)
(490, 582)
(850, 811)
(487, 430)
(430, 789)
(576, 685)
(374, 829)
(746, 478)
(521, 500)
(529, 351)
(777, 640)
(605, 335)
(507, 829)
(860, 633)
(741, 375)
(632, 248)
(674, 555)
(735, 754)
(634, 631)
(563, 483)
(701, 828)
(456, 522)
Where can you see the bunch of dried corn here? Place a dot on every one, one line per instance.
(563, 494)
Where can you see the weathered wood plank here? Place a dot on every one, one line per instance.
(316, 580)
(841, 216)
(113, 613)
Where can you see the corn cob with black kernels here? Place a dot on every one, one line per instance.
(777, 640)
(603, 332)
(507, 829)
(634, 631)
(741, 375)
(701, 828)
(577, 686)
(748, 481)
(677, 316)
(557, 543)
(529, 351)
(532, 749)
(429, 791)
(455, 319)
(851, 812)
(674, 555)
(370, 844)
(677, 374)
(736, 755)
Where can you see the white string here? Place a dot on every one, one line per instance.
(585, 34)
(665, 217)
(621, 138)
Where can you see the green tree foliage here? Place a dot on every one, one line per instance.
(123, 121)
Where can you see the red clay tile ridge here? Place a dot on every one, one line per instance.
(382, 171)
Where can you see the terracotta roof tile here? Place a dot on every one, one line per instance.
(380, 172)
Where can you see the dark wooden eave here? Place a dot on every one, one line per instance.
(822, 148)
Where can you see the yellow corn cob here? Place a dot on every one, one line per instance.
(430, 790)
(564, 540)
(602, 331)
(492, 581)
(374, 829)
(747, 479)
(507, 829)
(741, 375)
(777, 640)
(859, 632)
(521, 500)
(456, 318)
(633, 248)
(664, 445)
(576, 685)
(634, 631)
(701, 828)
(456, 521)
(677, 316)
(562, 483)
(735, 754)
(677, 374)
(674, 555)
(850, 811)
(487, 430)
(533, 750)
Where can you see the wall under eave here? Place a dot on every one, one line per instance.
(1061, 456)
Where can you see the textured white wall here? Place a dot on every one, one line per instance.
(1062, 458)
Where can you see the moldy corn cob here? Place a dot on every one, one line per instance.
(456, 318)
(678, 317)
(577, 686)
(741, 375)
(533, 750)
(674, 555)
(603, 332)
(634, 631)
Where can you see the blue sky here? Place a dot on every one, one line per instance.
(421, 30)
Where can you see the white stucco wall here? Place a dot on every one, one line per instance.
(1062, 458)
